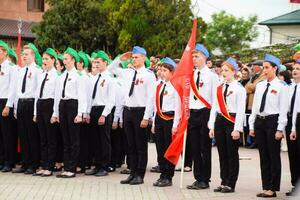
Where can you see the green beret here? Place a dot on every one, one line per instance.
(103, 56)
(297, 47)
(51, 52)
(88, 56)
(147, 62)
(94, 55)
(84, 58)
(4, 45)
(60, 57)
(73, 53)
(12, 53)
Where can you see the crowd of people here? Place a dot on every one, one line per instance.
(73, 113)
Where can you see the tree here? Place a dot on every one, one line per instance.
(229, 34)
(161, 26)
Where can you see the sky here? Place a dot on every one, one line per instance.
(264, 9)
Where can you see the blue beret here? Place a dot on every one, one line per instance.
(272, 59)
(282, 68)
(232, 62)
(139, 50)
(201, 48)
(169, 61)
(298, 61)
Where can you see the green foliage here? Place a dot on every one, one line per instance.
(161, 26)
(229, 34)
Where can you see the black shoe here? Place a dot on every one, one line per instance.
(264, 195)
(61, 175)
(219, 189)
(69, 176)
(155, 169)
(6, 169)
(81, 171)
(157, 182)
(91, 171)
(136, 181)
(18, 170)
(118, 165)
(125, 171)
(291, 192)
(29, 171)
(101, 172)
(198, 185)
(46, 175)
(111, 169)
(58, 169)
(227, 189)
(127, 180)
(164, 183)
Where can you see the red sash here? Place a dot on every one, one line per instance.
(222, 104)
(157, 102)
(198, 96)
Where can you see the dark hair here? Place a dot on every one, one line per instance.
(49, 55)
(13, 59)
(61, 64)
(245, 69)
(169, 67)
(286, 76)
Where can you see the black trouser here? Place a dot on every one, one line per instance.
(293, 153)
(297, 182)
(85, 157)
(59, 144)
(228, 151)
(201, 144)
(70, 132)
(269, 151)
(29, 136)
(124, 157)
(137, 140)
(101, 137)
(163, 135)
(47, 133)
(8, 137)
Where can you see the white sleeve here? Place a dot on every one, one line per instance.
(241, 108)
(82, 100)
(150, 97)
(177, 113)
(254, 111)
(58, 92)
(213, 111)
(12, 90)
(112, 98)
(284, 108)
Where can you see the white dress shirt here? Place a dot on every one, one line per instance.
(49, 87)
(8, 80)
(143, 89)
(75, 89)
(105, 93)
(31, 82)
(171, 102)
(208, 82)
(235, 103)
(276, 102)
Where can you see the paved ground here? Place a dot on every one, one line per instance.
(25, 187)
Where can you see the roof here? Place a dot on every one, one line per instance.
(292, 18)
(9, 28)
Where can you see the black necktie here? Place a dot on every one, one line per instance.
(197, 83)
(132, 84)
(225, 92)
(0, 68)
(161, 96)
(263, 100)
(95, 87)
(43, 85)
(293, 101)
(24, 81)
(65, 82)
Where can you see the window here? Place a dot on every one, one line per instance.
(35, 5)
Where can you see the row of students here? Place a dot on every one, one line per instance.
(217, 110)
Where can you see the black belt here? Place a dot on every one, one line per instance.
(46, 99)
(198, 110)
(267, 117)
(98, 107)
(68, 100)
(169, 113)
(3, 99)
(134, 108)
(231, 114)
(26, 99)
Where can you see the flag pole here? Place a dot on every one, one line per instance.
(18, 49)
(182, 160)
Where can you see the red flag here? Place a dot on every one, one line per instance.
(181, 82)
(294, 1)
(18, 50)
